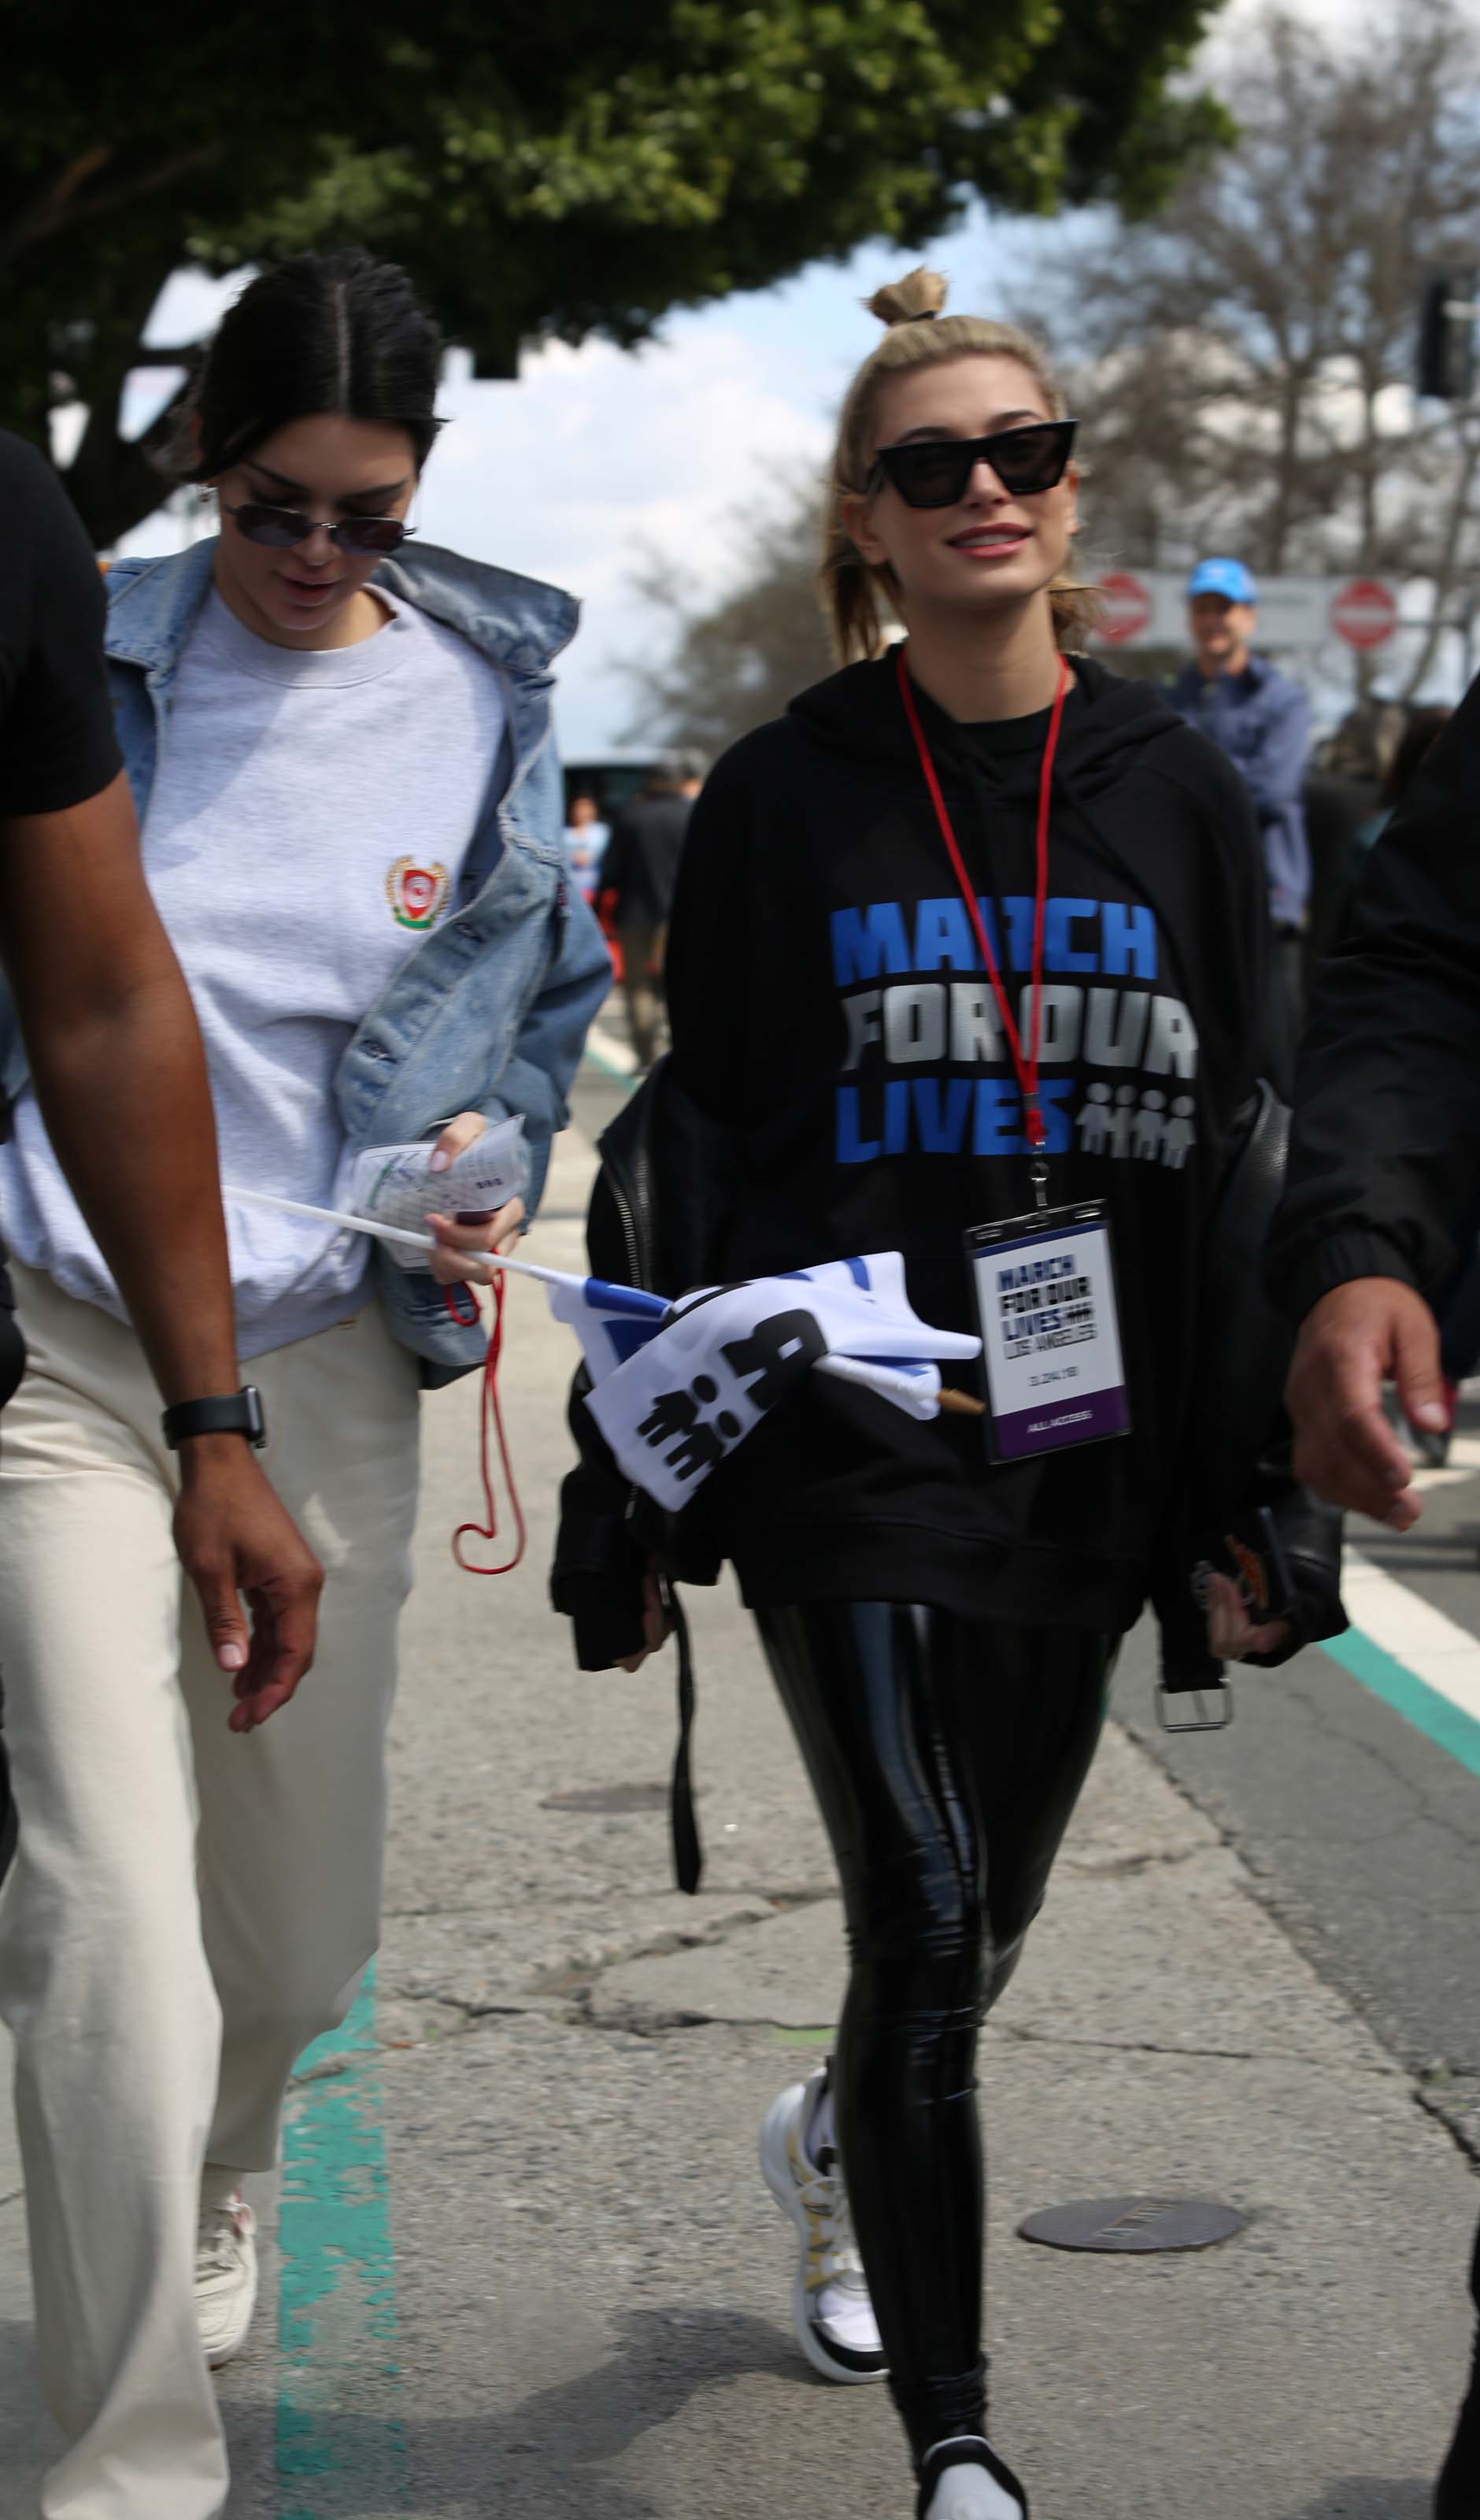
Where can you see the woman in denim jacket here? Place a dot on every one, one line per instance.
(351, 812)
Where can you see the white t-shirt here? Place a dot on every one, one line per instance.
(310, 817)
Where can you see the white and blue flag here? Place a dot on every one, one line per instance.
(610, 1322)
(696, 1382)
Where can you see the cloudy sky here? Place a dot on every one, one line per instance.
(599, 456)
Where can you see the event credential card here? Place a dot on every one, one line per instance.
(1049, 1331)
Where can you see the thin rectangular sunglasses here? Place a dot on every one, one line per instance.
(280, 528)
(933, 472)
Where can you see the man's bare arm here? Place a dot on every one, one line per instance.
(119, 1072)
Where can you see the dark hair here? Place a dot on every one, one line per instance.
(318, 333)
(1421, 733)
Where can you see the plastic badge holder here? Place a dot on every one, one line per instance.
(395, 1184)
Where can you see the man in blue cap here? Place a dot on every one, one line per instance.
(1261, 720)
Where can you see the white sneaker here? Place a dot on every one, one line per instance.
(831, 2310)
(225, 2277)
(965, 2479)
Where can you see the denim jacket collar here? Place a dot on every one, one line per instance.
(517, 622)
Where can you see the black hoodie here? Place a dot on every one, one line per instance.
(827, 1001)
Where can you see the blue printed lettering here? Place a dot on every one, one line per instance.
(941, 1122)
(869, 942)
(852, 1147)
(896, 1116)
(943, 934)
(1059, 952)
(999, 1115)
(1128, 940)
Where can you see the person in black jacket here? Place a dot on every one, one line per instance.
(1383, 1190)
(868, 1055)
(637, 878)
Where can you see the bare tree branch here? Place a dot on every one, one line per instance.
(61, 208)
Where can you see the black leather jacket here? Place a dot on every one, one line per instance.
(657, 1219)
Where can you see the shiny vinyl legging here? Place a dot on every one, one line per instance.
(947, 1755)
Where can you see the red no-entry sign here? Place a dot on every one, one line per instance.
(1365, 613)
(1125, 610)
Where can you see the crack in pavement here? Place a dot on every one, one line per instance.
(1172, 2047)
(565, 1992)
(1111, 1867)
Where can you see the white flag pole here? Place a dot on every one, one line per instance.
(843, 1367)
(395, 1233)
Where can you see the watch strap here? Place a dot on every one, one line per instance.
(232, 1412)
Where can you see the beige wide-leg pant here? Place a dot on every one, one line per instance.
(188, 1908)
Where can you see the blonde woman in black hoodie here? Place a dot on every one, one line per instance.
(973, 932)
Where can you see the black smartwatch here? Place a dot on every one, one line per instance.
(236, 1413)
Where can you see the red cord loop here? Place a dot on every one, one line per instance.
(491, 1422)
(1034, 1126)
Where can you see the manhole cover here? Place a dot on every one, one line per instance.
(1133, 2224)
(607, 1798)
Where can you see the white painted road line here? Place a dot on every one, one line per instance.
(618, 1057)
(1445, 1656)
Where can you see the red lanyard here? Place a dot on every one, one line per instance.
(1034, 1128)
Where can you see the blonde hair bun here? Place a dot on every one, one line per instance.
(913, 299)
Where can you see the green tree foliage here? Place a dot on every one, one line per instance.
(581, 167)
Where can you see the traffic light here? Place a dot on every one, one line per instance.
(1447, 335)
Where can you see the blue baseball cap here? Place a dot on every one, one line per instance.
(1226, 577)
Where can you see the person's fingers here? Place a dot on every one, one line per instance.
(1358, 1461)
(459, 1134)
(1417, 1368)
(283, 1631)
(1225, 1618)
(459, 1242)
(1404, 1512)
(632, 1662)
(455, 1261)
(1344, 1446)
(505, 1230)
(470, 1231)
(213, 1577)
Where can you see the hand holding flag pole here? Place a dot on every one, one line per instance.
(676, 1386)
(594, 1293)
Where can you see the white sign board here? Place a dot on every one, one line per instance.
(1148, 607)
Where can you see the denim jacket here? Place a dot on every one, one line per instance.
(489, 1010)
(1262, 721)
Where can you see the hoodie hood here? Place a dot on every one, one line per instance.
(1105, 733)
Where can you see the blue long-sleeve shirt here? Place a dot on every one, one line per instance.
(1262, 721)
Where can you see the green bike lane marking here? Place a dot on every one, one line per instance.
(1446, 1725)
(340, 2437)
(1408, 1653)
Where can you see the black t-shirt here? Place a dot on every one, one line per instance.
(828, 1002)
(57, 742)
